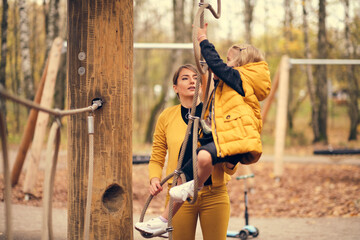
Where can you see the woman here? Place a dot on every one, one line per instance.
(213, 205)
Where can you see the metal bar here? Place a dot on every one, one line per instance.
(163, 46)
(325, 61)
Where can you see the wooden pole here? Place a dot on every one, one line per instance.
(100, 59)
(281, 116)
(270, 98)
(43, 118)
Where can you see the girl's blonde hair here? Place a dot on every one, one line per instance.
(246, 54)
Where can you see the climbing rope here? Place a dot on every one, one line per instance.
(54, 138)
(7, 192)
(50, 169)
(199, 23)
(90, 177)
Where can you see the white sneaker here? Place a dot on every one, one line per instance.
(182, 192)
(154, 227)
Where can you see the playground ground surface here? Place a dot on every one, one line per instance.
(317, 198)
(27, 226)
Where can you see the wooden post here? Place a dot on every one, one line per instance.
(43, 118)
(28, 132)
(270, 98)
(281, 116)
(100, 58)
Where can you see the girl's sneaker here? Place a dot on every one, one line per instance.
(154, 227)
(182, 192)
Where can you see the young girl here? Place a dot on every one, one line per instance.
(233, 111)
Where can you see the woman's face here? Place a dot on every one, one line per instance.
(186, 81)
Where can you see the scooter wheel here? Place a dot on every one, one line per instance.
(256, 233)
(243, 234)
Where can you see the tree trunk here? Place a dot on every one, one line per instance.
(321, 76)
(175, 59)
(249, 7)
(53, 23)
(4, 27)
(309, 76)
(288, 21)
(52, 18)
(28, 83)
(292, 102)
(353, 87)
(266, 29)
(16, 83)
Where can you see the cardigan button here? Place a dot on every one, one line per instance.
(228, 117)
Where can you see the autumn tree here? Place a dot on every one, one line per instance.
(175, 59)
(309, 76)
(248, 13)
(4, 27)
(287, 32)
(353, 86)
(321, 76)
(13, 54)
(28, 83)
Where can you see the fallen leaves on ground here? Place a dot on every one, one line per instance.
(304, 190)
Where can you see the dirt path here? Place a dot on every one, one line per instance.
(27, 226)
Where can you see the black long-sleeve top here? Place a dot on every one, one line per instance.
(229, 75)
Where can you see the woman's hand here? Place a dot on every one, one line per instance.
(202, 33)
(155, 186)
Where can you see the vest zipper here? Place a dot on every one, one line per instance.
(213, 118)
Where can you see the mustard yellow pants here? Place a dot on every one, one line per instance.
(212, 208)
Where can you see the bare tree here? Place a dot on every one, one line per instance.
(353, 86)
(292, 104)
(321, 76)
(28, 84)
(4, 27)
(14, 70)
(52, 17)
(288, 20)
(249, 9)
(309, 75)
(175, 59)
(52, 26)
(266, 28)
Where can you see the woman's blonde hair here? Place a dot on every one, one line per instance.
(246, 54)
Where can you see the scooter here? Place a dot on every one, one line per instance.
(247, 230)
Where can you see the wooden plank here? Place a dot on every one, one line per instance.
(100, 53)
(28, 132)
(270, 98)
(281, 117)
(43, 118)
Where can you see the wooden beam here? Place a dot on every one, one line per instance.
(281, 116)
(43, 118)
(28, 132)
(100, 61)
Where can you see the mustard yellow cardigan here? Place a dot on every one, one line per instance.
(168, 136)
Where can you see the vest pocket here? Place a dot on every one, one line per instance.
(235, 123)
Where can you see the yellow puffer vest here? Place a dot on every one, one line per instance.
(237, 125)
